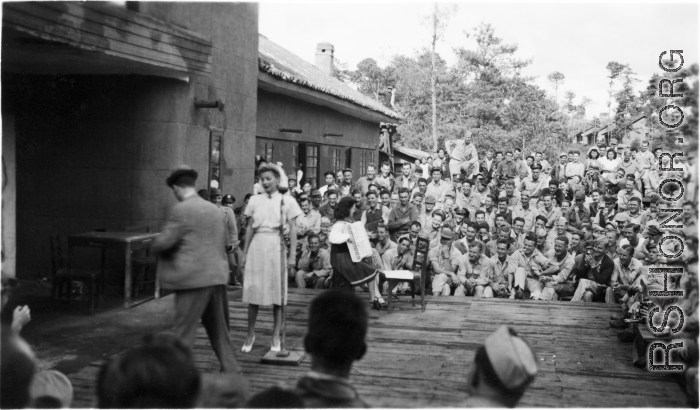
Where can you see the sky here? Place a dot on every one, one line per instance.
(576, 39)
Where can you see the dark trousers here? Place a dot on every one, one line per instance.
(210, 304)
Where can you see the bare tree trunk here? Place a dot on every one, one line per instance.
(432, 79)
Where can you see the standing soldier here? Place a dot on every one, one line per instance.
(463, 155)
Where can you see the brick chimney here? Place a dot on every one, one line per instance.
(324, 57)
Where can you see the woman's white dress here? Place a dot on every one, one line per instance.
(262, 280)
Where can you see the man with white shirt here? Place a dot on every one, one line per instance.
(330, 183)
(308, 223)
(463, 155)
(525, 211)
(384, 242)
(531, 264)
(437, 188)
(549, 210)
(386, 179)
(624, 196)
(575, 167)
(425, 216)
(314, 265)
(475, 273)
(563, 282)
(468, 198)
(405, 180)
(535, 183)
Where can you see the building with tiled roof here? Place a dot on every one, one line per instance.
(311, 121)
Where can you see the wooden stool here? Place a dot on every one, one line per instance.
(394, 277)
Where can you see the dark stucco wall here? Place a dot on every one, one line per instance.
(94, 151)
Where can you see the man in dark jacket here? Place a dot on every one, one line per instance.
(335, 339)
(593, 269)
(193, 263)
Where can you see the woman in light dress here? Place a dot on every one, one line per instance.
(611, 162)
(262, 260)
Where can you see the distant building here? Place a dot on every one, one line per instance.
(403, 154)
(310, 120)
(636, 129)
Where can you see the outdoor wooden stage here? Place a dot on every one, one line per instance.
(419, 359)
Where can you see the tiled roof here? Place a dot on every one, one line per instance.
(281, 63)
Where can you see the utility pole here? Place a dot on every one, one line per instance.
(432, 78)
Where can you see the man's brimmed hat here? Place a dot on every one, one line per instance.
(447, 233)
(180, 172)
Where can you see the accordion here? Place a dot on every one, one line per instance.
(360, 247)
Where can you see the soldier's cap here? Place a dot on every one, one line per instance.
(418, 169)
(621, 217)
(291, 177)
(347, 170)
(512, 358)
(215, 192)
(479, 175)
(430, 199)
(315, 192)
(563, 154)
(525, 192)
(461, 211)
(180, 172)
(630, 177)
(433, 169)
(537, 166)
(447, 233)
(611, 224)
(54, 384)
(450, 194)
(610, 199)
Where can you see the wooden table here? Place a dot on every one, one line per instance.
(126, 241)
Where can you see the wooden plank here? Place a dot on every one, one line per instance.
(421, 359)
(35, 22)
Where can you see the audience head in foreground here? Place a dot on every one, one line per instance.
(159, 373)
(503, 369)
(335, 338)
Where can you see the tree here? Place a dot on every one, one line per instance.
(490, 57)
(369, 77)
(627, 102)
(614, 69)
(556, 78)
(439, 24)
(341, 72)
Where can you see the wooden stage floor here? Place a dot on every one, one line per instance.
(419, 359)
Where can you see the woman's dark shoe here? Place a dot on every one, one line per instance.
(379, 305)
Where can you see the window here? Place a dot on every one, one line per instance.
(311, 168)
(371, 158)
(215, 159)
(295, 157)
(363, 161)
(265, 149)
(337, 162)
